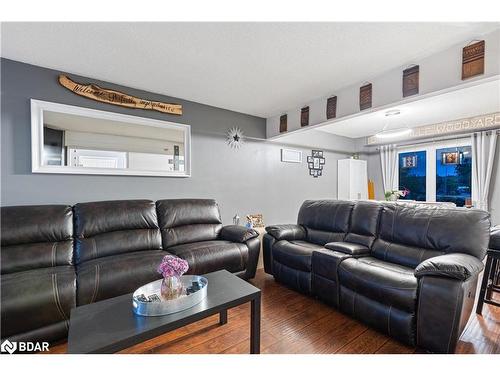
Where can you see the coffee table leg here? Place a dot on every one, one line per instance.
(255, 326)
(223, 317)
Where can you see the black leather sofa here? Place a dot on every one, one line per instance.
(56, 257)
(408, 270)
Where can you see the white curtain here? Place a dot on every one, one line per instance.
(389, 161)
(483, 158)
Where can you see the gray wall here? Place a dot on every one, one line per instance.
(249, 180)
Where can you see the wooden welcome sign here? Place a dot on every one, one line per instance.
(100, 94)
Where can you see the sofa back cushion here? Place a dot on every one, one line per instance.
(325, 220)
(114, 227)
(364, 223)
(188, 220)
(36, 237)
(409, 234)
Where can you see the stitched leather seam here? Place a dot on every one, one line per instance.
(389, 244)
(354, 303)
(422, 252)
(389, 321)
(55, 290)
(96, 284)
(428, 225)
(53, 260)
(384, 287)
(95, 247)
(385, 268)
(453, 323)
(242, 256)
(420, 298)
(445, 272)
(393, 220)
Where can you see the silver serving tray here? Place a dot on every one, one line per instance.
(165, 307)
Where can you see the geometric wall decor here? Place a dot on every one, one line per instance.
(410, 81)
(304, 116)
(365, 96)
(473, 60)
(283, 124)
(331, 107)
(315, 163)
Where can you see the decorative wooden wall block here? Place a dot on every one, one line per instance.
(100, 94)
(410, 81)
(304, 116)
(331, 107)
(365, 96)
(473, 60)
(283, 123)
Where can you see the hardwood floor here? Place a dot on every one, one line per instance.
(294, 323)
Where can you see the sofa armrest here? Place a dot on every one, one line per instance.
(237, 233)
(454, 266)
(350, 248)
(289, 232)
(495, 238)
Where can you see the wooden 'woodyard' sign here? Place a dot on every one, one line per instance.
(118, 98)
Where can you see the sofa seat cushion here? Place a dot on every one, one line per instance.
(210, 256)
(114, 275)
(295, 254)
(37, 298)
(388, 283)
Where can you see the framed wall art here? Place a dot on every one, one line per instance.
(315, 163)
(291, 156)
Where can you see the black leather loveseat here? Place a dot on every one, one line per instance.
(56, 257)
(408, 270)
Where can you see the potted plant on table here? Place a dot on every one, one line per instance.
(172, 268)
(394, 195)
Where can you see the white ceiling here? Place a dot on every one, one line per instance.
(467, 102)
(66, 121)
(256, 68)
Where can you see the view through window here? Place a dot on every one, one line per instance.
(454, 175)
(412, 174)
(440, 172)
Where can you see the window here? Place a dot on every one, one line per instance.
(437, 172)
(454, 175)
(412, 174)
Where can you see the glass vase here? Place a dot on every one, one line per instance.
(171, 287)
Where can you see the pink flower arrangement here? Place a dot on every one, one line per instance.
(404, 192)
(171, 266)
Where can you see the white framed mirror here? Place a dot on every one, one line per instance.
(76, 140)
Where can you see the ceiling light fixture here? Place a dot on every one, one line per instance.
(393, 133)
(392, 112)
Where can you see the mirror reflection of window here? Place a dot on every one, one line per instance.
(86, 142)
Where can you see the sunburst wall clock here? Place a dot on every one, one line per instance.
(234, 137)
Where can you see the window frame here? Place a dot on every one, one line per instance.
(430, 170)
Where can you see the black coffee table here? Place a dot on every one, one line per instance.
(110, 325)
